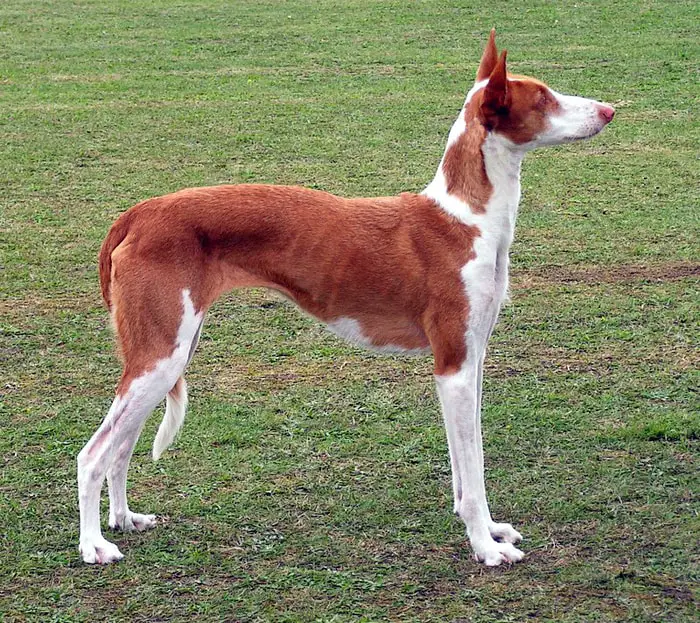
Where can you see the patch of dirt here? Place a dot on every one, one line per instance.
(622, 273)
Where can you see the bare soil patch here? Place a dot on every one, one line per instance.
(622, 273)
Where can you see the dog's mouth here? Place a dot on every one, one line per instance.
(582, 137)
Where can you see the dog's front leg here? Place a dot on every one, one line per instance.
(459, 399)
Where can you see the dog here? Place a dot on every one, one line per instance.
(410, 273)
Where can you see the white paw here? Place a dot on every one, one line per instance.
(493, 554)
(100, 551)
(132, 521)
(504, 533)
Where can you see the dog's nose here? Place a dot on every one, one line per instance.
(606, 112)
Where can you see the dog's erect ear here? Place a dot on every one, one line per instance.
(496, 99)
(488, 59)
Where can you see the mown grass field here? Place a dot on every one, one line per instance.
(311, 481)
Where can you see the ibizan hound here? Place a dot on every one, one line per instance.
(416, 272)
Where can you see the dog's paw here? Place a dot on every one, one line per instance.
(100, 551)
(494, 553)
(130, 522)
(504, 533)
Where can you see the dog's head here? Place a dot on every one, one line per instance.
(526, 111)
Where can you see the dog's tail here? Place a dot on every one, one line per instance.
(114, 238)
(175, 407)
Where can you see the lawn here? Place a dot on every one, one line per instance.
(311, 479)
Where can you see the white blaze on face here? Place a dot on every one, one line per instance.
(577, 118)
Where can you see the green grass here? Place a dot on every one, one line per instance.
(311, 481)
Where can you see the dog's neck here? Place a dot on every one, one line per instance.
(478, 179)
(503, 164)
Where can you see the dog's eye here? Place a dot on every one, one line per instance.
(547, 101)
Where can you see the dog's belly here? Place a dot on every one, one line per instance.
(382, 334)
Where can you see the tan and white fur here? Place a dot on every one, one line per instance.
(411, 273)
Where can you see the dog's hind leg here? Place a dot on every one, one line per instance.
(120, 516)
(115, 436)
(140, 390)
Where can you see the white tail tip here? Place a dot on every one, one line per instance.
(175, 407)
